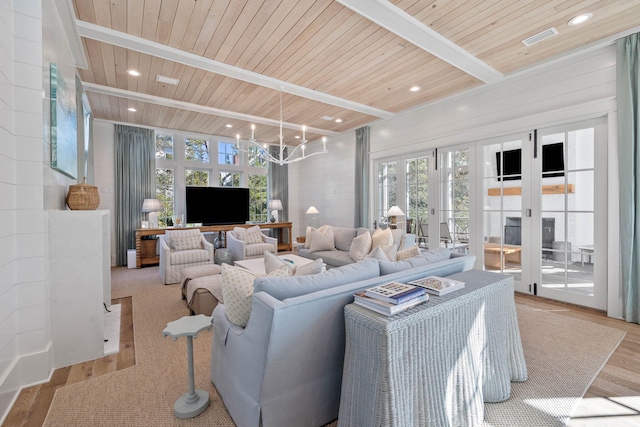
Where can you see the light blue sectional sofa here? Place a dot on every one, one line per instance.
(285, 367)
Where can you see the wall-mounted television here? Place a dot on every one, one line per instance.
(217, 205)
(552, 162)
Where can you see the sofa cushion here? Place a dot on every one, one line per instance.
(389, 267)
(435, 255)
(184, 243)
(343, 237)
(240, 233)
(290, 287)
(382, 238)
(252, 251)
(315, 267)
(322, 240)
(189, 256)
(237, 291)
(360, 247)
(332, 258)
(379, 254)
(408, 253)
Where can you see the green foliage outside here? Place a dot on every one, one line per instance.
(164, 147)
(417, 191)
(196, 178)
(258, 198)
(165, 193)
(196, 150)
(229, 179)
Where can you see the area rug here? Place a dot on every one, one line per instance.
(563, 357)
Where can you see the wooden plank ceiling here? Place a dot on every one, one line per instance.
(331, 60)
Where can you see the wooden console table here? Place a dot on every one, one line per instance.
(285, 242)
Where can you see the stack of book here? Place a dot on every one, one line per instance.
(438, 285)
(391, 298)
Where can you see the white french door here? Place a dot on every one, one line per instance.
(544, 211)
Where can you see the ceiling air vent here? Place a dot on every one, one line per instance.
(540, 37)
(168, 80)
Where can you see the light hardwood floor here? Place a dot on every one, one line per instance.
(620, 377)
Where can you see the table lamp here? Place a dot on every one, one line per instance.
(312, 217)
(274, 206)
(153, 206)
(393, 213)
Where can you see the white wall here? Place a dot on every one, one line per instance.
(105, 173)
(326, 181)
(24, 331)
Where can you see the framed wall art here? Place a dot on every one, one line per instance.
(64, 141)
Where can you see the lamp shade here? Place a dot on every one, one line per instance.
(312, 211)
(275, 204)
(394, 211)
(152, 205)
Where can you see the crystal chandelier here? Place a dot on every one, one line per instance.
(294, 156)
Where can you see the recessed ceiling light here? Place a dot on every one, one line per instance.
(168, 80)
(338, 120)
(229, 125)
(415, 88)
(580, 19)
(133, 110)
(297, 137)
(134, 73)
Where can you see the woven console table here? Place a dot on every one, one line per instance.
(437, 363)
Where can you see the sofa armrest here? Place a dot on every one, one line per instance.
(207, 246)
(235, 246)
(165, 252)
(272, 241)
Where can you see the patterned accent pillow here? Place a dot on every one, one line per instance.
(382, 238)
(185, 243)
(237, 291)
(253, 236)
(360, 247)
(240, 233)
(408, 253)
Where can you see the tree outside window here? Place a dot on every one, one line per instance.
(229, 179)
(165, 183)
(196, 150)
(196, 178)
(386, 188)
(164, 147)
(258, 198)
(255, 157)
(228, 154)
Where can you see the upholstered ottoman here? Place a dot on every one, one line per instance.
(191, 273)
(204, 294)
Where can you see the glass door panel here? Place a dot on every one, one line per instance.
(454, 200)
(502, 207)
(568, 197)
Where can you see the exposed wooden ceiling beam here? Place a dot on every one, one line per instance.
(139, 44)
(396, 20)
(136, 96)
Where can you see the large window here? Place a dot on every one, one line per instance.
(454, 203)
(189, 160)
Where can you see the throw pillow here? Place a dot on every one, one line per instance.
(307, 240)
(185, 243)
(314, 267)
(379, 254)
(272, 262)
(382, 238)
(253, 236)
(240, 233)
(360, 247)
(237, 291)
(391, 252)
(322, 241)
(408, 253)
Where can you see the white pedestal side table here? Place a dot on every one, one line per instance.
(194, 402)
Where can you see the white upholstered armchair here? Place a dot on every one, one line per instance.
(247, 243)
(180, 249)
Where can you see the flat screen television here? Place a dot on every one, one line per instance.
(217, 205)
(552, 162)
